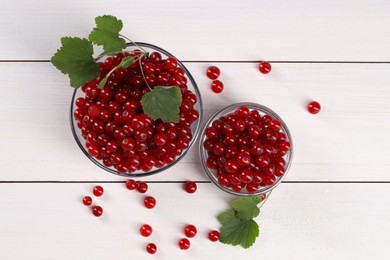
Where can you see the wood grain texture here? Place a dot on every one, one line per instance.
(347, 30)
(347, 141)
(299, 221)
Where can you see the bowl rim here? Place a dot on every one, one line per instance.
(156, 170)
(224, 111)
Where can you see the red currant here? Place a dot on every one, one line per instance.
(151, 248)
(264, 67)
(97, 211)
(275, 125)
(149, 202)
(131, 184)
(314, 107)
(190, 186)
(146, 230)
(142, 187)
(98, 191)
(214, 235)
(190, 231)
(217, 86)
(87, 200)
(213, 72)
(184, 244)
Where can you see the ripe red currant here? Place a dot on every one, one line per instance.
(217, 86)
(275, 125)
(142, 187)
(184, 244)
(190, 231)
(214, 235)
(264, 67)
(98, 191)
(146, 230)
(314, 107)
(151, 248)
(87, 200)
(97, 211)
(190, 186)
(149, 202)
(213, 72)
(131, 184)
(170, 63)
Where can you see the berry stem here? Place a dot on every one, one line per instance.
(133, 43)
(269, 194)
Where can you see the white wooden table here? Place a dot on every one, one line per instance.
(335, 201)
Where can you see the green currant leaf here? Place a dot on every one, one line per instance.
(162, 103)
(239, 232)
(75, 59)
(247, 208)
(106, 33)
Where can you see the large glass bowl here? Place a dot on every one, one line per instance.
(212, 174)
(195, 127)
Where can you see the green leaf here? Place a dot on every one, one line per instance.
(106, 33)
(227, 216)
(239, 232)
(247, 208)
(75, 59)
(126, 62)
(162, 103)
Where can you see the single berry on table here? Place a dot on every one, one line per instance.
(264, 67)
(213, 72)
(217, 86)
(214, 235)
(151, 248)
(131, 184)
(314, 107)
(190, 186)
(184, 244)
(142, 187)
(98, 191)
(190, 231)
(97, 211)
(149, 202)
(146, 230)
(87, 200)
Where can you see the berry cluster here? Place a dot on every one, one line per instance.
(112, 120)
(246, 150)
(213, 73)
(98, 191)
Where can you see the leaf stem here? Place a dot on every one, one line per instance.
(142, 71)
(266, 198)
(142, 49)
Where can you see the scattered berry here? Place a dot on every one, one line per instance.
(217, 86)
(146, 230)
(190, 186)
(213, 72)
(97, 211)
(263, 196)
(87, 200)
(184, 244)
(314, 107)
(151, 248)
(131, 184)
(265, 67)
(214, 235)
(190, 231)
(142, 187)
(98, 191)
(149, 202)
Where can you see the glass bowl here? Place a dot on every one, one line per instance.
(212, 174)
(195, 127)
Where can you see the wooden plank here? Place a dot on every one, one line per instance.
(300, 221)
(347, 141)
(351, 30)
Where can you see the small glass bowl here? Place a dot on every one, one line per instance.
(212, 175)
(195, 127)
